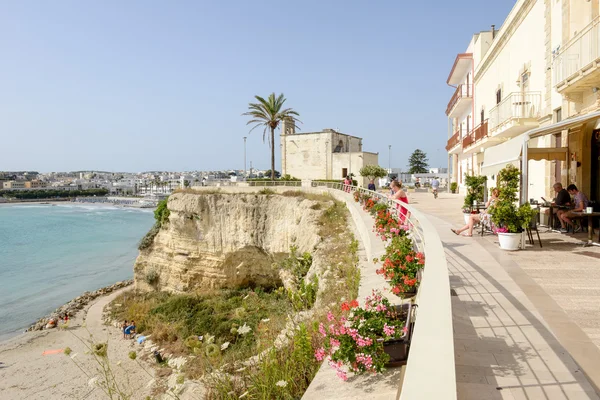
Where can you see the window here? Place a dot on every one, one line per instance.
(498, 96)
(344, 172)
(482, 115)
(558, 115)
(468, 123)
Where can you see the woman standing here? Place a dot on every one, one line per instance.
(400, 195)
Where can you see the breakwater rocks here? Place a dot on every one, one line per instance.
(75, 305)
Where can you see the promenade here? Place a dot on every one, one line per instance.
(526, 323)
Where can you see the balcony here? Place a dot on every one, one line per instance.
(577, 66)
(453, 142)
(460, 101)
(479, 139)
(517, 113)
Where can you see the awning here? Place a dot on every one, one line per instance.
(497, 157)
(562, 125)
(550, 154)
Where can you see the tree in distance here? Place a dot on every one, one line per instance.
(417, 163)
(373, 171)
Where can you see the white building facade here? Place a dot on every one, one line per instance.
(540, 69)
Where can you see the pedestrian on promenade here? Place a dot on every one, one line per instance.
(372, 185)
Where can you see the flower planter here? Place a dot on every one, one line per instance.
(509, 241)
(398, 349)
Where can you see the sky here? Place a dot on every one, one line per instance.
(154, 85)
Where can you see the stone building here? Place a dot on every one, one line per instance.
(327, 155)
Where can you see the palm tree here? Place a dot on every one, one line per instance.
(269, 113)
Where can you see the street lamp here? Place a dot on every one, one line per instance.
(390, 158)
(245, 176)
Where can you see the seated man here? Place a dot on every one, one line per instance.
(581, 202)
(562, 199)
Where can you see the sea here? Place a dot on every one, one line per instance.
(50, 254)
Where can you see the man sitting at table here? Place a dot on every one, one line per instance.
(562, 199)
(581, 202)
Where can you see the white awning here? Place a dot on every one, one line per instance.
(497, 157)
(550, 154)
(564, 124)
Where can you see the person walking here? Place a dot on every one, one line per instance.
(435, 185)
(372, 185)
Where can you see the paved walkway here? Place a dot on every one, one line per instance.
(512, 339)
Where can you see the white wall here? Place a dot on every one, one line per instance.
(307, 155)
(525, 48)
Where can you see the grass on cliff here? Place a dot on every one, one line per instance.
(176, 321)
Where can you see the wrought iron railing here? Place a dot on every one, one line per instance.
(453, 141)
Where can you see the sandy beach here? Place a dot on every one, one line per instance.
(26, 373)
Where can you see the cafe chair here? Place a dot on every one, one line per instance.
(533, 226)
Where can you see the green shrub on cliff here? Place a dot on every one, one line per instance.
(161, 214)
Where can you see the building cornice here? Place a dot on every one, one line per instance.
(461, 56)
(505, 33)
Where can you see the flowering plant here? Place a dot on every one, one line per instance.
(356, 195)
(401, 265)
(387, 226)
(369, 204)
(353, 339)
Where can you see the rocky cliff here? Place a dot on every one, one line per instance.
(219, 240)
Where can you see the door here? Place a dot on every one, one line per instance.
(344, 172)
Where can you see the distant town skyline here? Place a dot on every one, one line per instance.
(143, 86)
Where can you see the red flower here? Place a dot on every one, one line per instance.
(396, 290)
(345, 306)
(353, 304)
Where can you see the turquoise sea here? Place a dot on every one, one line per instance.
(52, 254)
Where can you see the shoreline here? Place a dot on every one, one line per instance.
(34, 365)
(73, 308)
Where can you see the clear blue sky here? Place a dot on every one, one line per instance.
(146, 85)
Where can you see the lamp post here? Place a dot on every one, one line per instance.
(390, 158)
(245, 176)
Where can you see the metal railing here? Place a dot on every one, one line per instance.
(464, 90)
(453, 141)
(578, 53)
(517, 105)
(480, 132)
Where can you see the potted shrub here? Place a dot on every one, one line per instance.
(510, 220)
(356, 342)
(475, 188)
(402, 266)
(453, 187)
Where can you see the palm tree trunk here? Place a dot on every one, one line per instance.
(272, 153)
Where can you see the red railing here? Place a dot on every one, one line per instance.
(462, 91)
(453, 141)
(480, 132)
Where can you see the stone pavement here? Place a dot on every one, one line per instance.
(520, 319)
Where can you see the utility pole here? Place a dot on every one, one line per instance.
(245, 175)
(250, 168)
(390, 159)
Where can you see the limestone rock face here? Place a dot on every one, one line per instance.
(225, 240)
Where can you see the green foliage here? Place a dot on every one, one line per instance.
(505, 213)
(453, 187)
(148, 239)
(285, 178)
(475, 189)
(373, 171)
(266, 191)
(161, 214)
(304, 294)
(417, 163)
(151, 277)
(50, 194)
(269, 114)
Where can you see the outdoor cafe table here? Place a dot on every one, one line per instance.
(590, 218)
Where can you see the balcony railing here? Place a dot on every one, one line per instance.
(515, 106)
(476, 134)
(462, 91)
(578, 53)
(453, 141)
